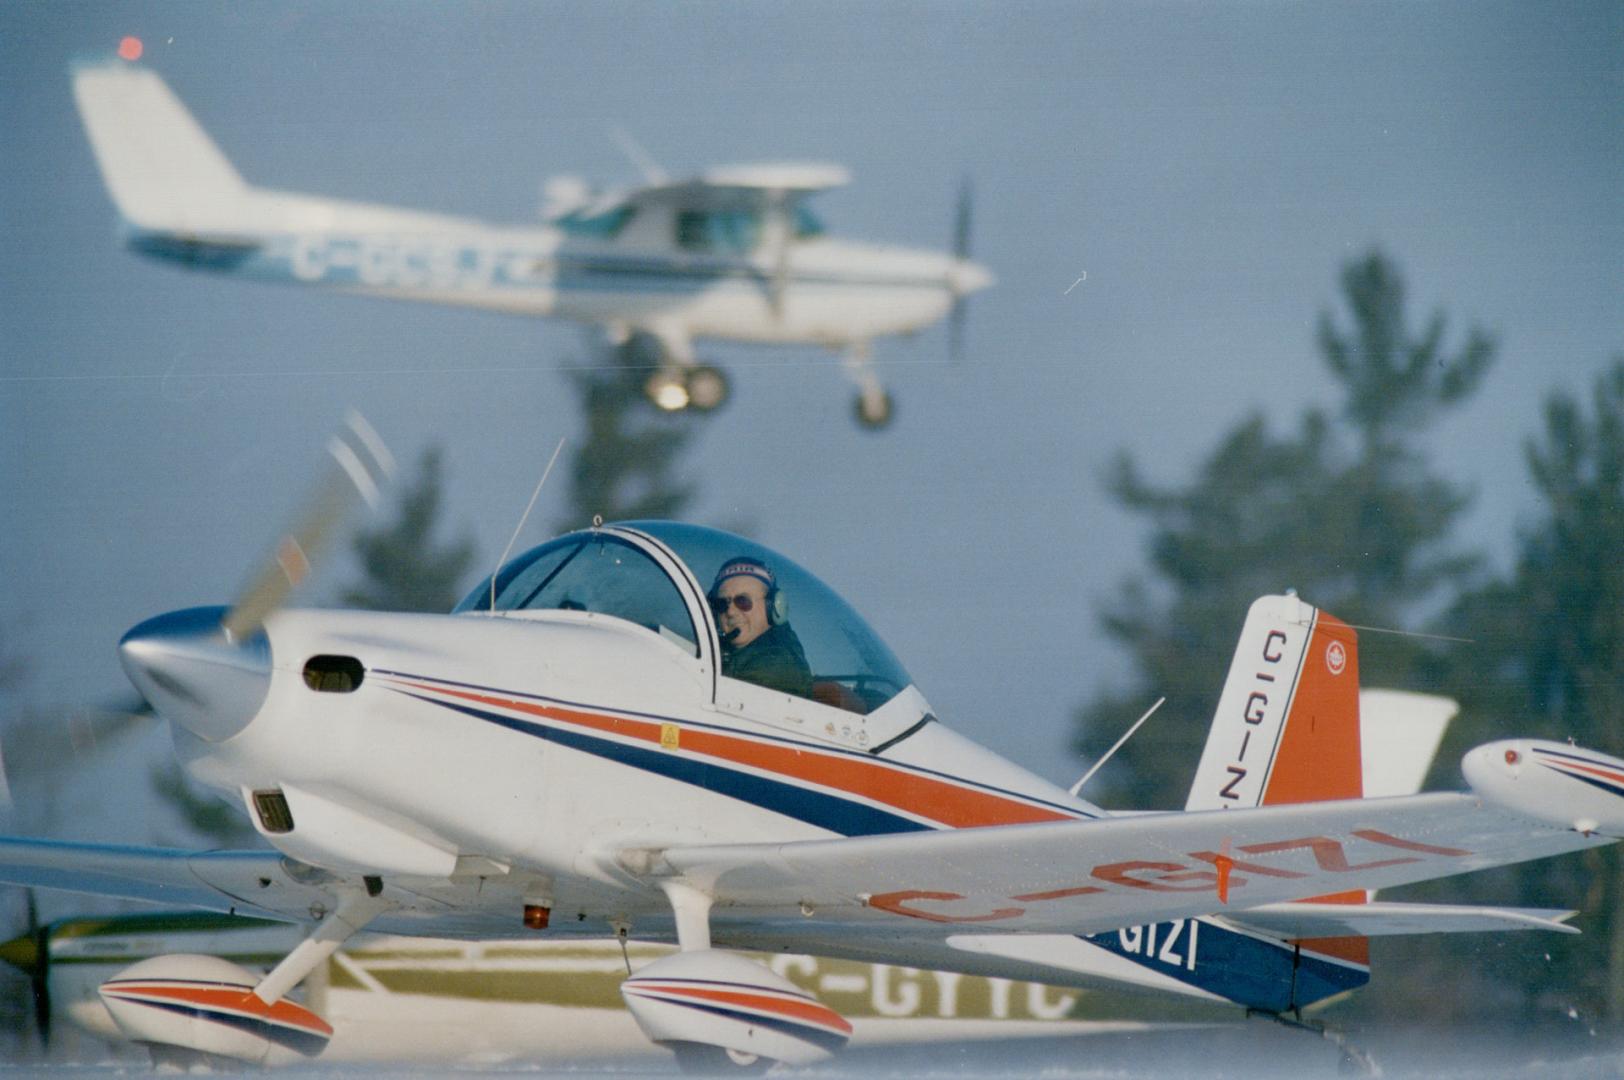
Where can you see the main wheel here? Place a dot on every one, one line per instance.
(702, 1059)
(874, 409)
(707, 388)
(668, 390)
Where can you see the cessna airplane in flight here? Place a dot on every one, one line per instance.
(659, 732)
(734, 254)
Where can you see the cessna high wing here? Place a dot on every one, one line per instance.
(733, 255)
(578, 749)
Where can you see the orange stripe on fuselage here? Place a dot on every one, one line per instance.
(1593, 770)
(945, 803)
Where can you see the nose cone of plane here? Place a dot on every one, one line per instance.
(183, 665)
(967, 277)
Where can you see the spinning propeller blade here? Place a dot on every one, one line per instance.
(962, 282)
(362, 465)
(29, 953)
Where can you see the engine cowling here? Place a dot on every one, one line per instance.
(206, 1005)
(707, 997)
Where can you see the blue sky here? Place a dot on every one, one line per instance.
(1207, 167)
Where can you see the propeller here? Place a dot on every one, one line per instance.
(363, 465)
(965, 277)
(208, 669)
(30, 954)
(36, 744)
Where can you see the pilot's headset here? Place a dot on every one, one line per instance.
(745, 566)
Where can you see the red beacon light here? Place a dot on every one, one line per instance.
(1512, 757)
(130, 48)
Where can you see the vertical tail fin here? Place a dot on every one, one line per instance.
(161, 168)
(1287, 725)
(1287, 730)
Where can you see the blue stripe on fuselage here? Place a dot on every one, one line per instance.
(839, 815)
(355, 262)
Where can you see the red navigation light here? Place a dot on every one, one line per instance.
(130, 48)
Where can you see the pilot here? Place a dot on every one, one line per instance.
(758, 645)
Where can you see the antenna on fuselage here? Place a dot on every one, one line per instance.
(1078, 786)
(652, 173)
(523, 518)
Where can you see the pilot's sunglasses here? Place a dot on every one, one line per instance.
(743, 602)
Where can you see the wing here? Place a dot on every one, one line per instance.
(741, 187)
(237, 882)
(1090, 876)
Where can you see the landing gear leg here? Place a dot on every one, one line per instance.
(873, 404)
(355, 910)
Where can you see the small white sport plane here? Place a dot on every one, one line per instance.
(664, 732)
(732, 255)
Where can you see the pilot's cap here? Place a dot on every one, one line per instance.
(745, 566)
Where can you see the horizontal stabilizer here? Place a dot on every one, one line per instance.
(1381, 919)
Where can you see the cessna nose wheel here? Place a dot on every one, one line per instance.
(874, 409)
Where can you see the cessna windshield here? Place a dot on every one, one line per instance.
(600, 572)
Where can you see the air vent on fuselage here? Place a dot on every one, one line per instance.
(334, 674)
(272, 808)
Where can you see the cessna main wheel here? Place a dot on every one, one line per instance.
(707, 388)
(703, 388)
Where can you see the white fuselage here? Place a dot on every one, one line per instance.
(550, 744)
(833, 293)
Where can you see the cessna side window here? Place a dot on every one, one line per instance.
(591, 572)
(731, 231)
(807, 224)
(601, 226)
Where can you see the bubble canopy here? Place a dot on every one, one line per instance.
(610, 572)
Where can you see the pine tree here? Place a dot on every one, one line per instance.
(1343, 510)
(404, 568)
(1547, 660)
(625, 466)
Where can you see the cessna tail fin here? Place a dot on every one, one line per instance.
(161, 168)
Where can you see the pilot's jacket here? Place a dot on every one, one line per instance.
(774, 660)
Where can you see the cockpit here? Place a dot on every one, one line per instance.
(736, 231)
(658, 574)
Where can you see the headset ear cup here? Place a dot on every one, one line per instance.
(777, 607)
